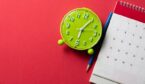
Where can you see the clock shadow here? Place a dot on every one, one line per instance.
(82, 54)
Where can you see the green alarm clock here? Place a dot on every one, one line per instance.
(80, 29)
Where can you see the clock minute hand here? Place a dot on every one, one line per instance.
(82, 28)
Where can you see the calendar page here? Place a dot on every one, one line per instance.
(122, 55)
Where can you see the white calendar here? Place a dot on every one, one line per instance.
(121, 59)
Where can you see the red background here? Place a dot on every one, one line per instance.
(29, 30)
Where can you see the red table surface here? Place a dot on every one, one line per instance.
(29, 30)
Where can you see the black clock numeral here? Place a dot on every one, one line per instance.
(86, 16)
(91, 39)
(95, 33)
(71, 38)
(99, 34)
(95, 26)
(72, 19)
(84, 43)
(78, 15)
(67, 25)
(67, 32)
(77, 42)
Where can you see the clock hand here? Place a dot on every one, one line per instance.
(80, 32)
(82, 28)
(86, 30)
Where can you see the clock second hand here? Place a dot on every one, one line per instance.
(82, 28)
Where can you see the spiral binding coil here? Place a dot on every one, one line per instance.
(132, 6)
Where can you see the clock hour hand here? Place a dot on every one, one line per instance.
(80, 32)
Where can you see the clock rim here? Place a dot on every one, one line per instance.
(79, 9)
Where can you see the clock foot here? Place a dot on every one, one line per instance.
(90, 51)
(60, 42)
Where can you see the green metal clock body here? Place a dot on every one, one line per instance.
(81, 29)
